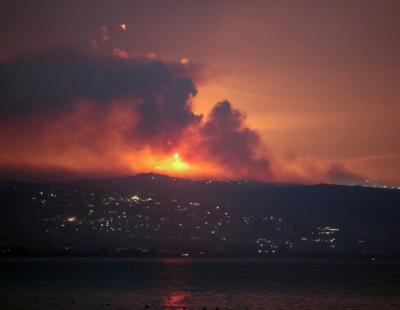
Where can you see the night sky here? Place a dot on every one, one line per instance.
(282, 91)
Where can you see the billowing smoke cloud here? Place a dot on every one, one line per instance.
(235, 147)
(93, 115)
(47, 84)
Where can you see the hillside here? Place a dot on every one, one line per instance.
(159, 215)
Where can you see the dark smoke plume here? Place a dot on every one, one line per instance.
(232, 144)
(72, 110)
(50, 84)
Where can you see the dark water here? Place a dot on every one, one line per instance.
(194, 284)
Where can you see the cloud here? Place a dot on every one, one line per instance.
(91, 115)
(294, 168)
(120, 53)
(94, 44)
(50, 83)
(105, 33)
(236, 147)
(151, 55)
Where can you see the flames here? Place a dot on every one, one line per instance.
(173, 164)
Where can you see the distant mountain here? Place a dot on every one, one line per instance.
(150, 214)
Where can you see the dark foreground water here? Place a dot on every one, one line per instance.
(194, 284)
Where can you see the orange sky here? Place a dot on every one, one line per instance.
(318, 80)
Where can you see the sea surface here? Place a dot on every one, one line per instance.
(119, 283)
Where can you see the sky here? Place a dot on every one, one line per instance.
(287, 91)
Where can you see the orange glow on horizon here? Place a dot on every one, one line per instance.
(98, 146)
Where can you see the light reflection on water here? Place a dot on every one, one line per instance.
(176, 300)
(194, 284)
